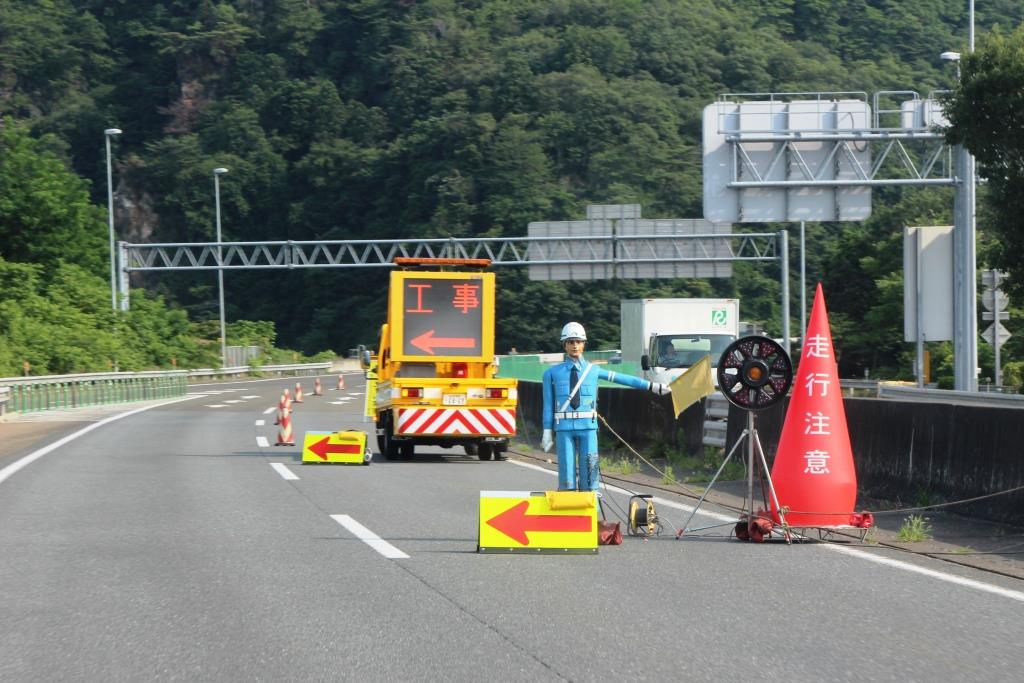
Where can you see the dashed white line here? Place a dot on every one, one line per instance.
(283, 471)
(269, 410)
(864, 555)
(249, 397)
(260, 423)
(262, 442)
(369, 538)
(216, 405)
(234, 400)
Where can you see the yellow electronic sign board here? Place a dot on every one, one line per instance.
(443, 316)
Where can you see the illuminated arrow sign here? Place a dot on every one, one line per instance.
(555, 521)
(445, 316)
(427, 342)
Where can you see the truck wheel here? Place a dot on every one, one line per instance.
(390, 447)
(407, 449)
(484, 451)
(500, 451)
(470, 448)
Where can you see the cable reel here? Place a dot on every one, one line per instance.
(643, 520)
(754, 373)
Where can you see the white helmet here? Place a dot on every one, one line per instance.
(573, 331)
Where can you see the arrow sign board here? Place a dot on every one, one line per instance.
(446, 316)
(348, 447)
(537, 521)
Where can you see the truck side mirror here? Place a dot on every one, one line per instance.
(364, 359)
(645, 362)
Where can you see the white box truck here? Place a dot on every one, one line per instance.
(666, 336)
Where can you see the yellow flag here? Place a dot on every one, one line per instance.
(692, 385)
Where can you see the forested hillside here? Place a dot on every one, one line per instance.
(400, 118)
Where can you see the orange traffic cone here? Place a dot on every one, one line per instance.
(341, 382)
(298, 392)
(284, 435)
(282, 405)
(813, 471)
(318, 389)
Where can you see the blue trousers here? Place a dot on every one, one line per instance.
(577, 452)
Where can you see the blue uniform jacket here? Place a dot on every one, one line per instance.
(557, 388)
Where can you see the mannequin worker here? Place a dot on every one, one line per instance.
(570, 410)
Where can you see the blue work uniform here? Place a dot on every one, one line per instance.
(575, 428)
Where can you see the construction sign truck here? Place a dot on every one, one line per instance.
(435, 362)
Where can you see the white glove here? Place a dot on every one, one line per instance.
(548, 440)
(660, 389)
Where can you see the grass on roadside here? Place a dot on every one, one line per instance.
(915, 528)
(623, 466)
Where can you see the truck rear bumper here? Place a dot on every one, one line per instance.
(455, 422)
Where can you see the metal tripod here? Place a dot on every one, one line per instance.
(753, 448)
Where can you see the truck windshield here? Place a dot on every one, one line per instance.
(673, 351)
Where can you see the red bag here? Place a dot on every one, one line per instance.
(609, 533)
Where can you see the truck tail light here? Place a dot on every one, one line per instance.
(459, 369)
(412, 392)
(497, 393)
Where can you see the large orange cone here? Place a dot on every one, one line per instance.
(341, 382)
(284, 435)
(318, 389)
(298, 392)
(813, 470)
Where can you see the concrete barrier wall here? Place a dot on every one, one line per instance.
(921, 453)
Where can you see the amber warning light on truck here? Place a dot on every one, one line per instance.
(445, 315)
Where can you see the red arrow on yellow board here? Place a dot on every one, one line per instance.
(324, 447)
(428, 342)
(514, 523)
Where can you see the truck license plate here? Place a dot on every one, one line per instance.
(454, 399)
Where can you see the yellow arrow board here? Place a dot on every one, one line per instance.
(348, 447)
(537, 521)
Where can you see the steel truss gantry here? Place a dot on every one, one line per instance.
(502, 251)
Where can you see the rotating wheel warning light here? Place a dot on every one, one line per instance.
(754, 373)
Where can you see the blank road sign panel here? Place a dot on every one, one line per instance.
(778, 155)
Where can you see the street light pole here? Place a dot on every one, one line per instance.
(220, 269)
(965, 288)
(110, 216)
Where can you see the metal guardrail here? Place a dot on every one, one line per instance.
(53, 392)
(972, 398)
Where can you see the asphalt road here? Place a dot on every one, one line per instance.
(175, 544)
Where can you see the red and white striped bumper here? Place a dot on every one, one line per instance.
(482, 421)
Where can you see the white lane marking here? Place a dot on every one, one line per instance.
(248, 397)
(32, 457)
(260, 423)
(283, 471)
(369, 538)
(216, 405)
(234, 400)
(262, 442)
(337, 403)
(269, 410)
(941, 576)
(356, 393)
(854, 552)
